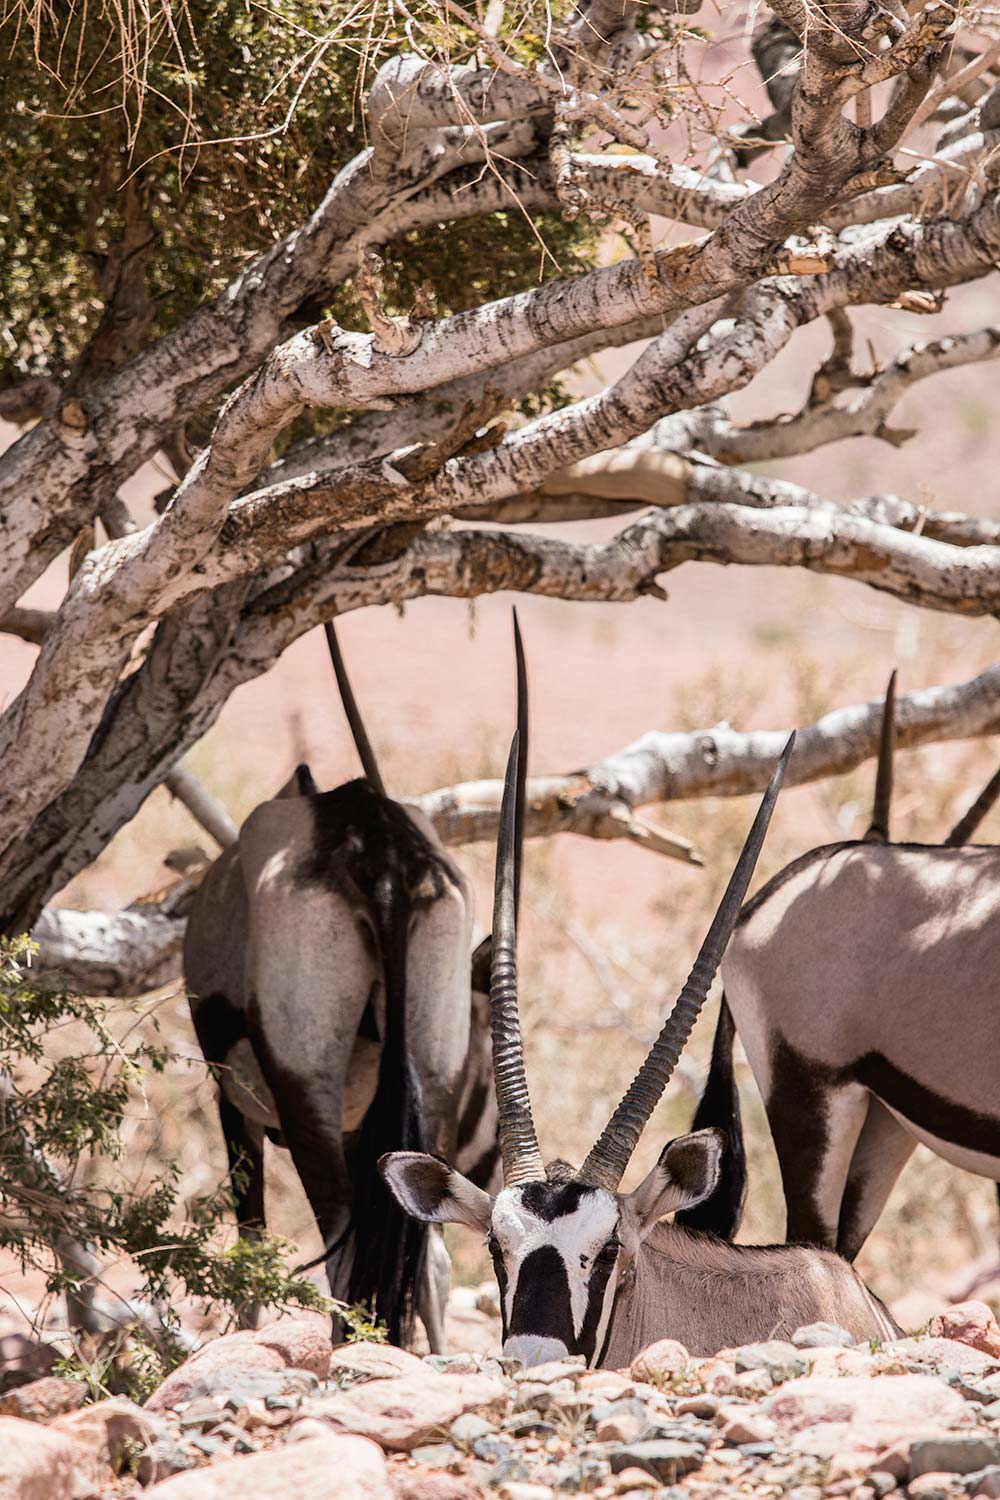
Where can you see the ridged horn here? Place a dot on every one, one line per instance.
(878, 828)
(522, 1160)
(520, 801)
(605, 1166)
(966, 826)
(361, 741)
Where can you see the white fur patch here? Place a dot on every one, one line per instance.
(578, 1236)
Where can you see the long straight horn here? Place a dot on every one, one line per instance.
(520, 801)
(605, 1166)
(966, 827)
(522, 1160)
(878, 828)
(361, 741)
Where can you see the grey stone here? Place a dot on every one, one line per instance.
(163, 1457)
(248, 1385)
(492, 1448)
(468, 1427)
(953, 1453)
(527, 1424)
(202, 1414)
(804, 1492)
(452, 1364)
(666, 1459)
(756, 1450)
(882, 1482)
(208, 1443)
(509, 1470)
(984, 1482)
(582, 1475)
(628, 1406)
(822, 1336)
(436, 1455)
(781, 1360)
(703, 1405)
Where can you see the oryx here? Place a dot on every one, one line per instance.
(327, 960)
(585, 1269)
(862, 980)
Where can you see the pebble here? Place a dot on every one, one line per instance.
(509, 1470)
(781, 1360)
(468, 1427)
(702, 1405)
(667, 1460)
(436, 1455)
(882, 1482)
(932, 1487)
(821, 1336)
(953, 1453)
(750, 1428)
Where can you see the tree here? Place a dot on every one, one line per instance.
(297, 328)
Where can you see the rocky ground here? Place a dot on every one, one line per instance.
(280, 1414)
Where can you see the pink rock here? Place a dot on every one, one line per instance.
(102, 1436)
(291, 1343)
(35, 1464)
(401, 1414)
(326, 1468)
(22, 1355)
(969, 1323)
(374, 1362)
(945, 1354)
(304, 1343)
(433, 1485)
(661, 1359)
(41, 1400)
(852, 1417)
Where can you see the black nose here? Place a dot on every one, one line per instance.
(541, 1298)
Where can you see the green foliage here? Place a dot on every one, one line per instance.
(194, 143)
(66, 1082)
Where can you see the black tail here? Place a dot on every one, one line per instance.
(388, 1246)
(878, 828)
(719, 1105)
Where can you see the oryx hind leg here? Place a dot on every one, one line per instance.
(815, 1121)
(881, 1153)
(245, 1149)
(435, 1284)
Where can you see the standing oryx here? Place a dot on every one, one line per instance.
(863, 983)
(327, 961)
(585, 1269)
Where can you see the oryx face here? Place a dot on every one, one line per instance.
(555, 1249)
(561, 1248)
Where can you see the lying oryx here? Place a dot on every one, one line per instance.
(327, 960)
(862, 982)
(585, 1269)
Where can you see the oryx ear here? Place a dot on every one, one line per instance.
(686, 1173)
(429, 1189)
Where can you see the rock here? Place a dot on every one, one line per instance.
(581, 1475)
(702, 1405)
(513, 1490)
(296, 1343)
(236, 1388)
(451, 1364)
(661, 1360)
(607, 1383)
(751, 1428)
(984, 1482)
(751, 1383)
(401, 1414)
(821, 1336)
(667, 1460)
(488, 1299)
(527, 1424)
(508, 1471)
(956, 1453)
(107, 1439)
(854, 1417)
(881, 1482)
(943, 1354)
(372, 1362)
(635, 1479)
(932, 1487)
(621, 1429)
(781, 1360)
(969, 1323)
(327, 1468)
(492, 1449)
(306, 1427)
(41, 1400)
(436, 1487)
(163, 1457)
(35, 1464)
(805, 1492)
(570, 1368)
(465, 1430)
(436, 1455)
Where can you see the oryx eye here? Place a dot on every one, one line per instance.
(609, 1254)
